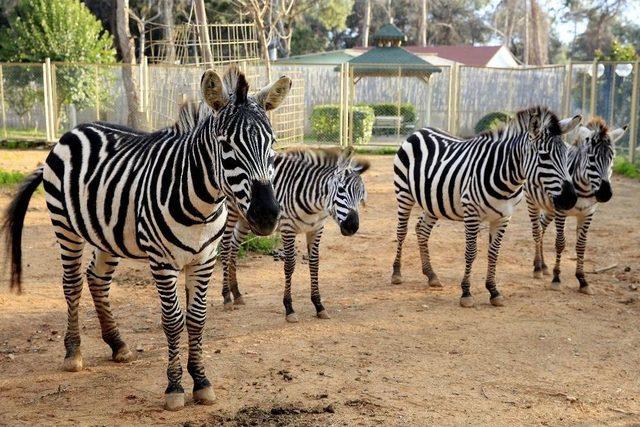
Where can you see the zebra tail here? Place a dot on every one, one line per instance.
(13, 222)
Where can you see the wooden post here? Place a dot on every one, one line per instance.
(568, 82)
(96, 78)
(399, 103)
(203, 32)
(423, 23)
(633, 134)
(594, 88)
(341, 111)
(367, 23)
(2, 106)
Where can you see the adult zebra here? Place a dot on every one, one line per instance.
(161, 197)
(478, 179)
(311, 186)
(590, 161)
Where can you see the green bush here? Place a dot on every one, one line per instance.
(10, 178)
(491, 121)
(407, 111)
(261, 245)
(325, 123)
(624, 167)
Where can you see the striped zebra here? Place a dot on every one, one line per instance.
(311, 186)
(161, 197)
(478, 179)
(590, 161)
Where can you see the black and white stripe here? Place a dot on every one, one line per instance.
(312, 185)
(478, 179)
(590, 160)
(161, 197)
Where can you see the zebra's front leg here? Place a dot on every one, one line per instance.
(423, 231)
(313, 250)
(289, 244)
(534, 217)
(239, 235)
(166, 278)
(545, 219)
(197, 283)
(581, 245)
(560, 245)
(471, 227)
(71, 246)
(404, 212)
(496, 233)
(228, 261)
(99, 276)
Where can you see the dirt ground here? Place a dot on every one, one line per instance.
(390, 355)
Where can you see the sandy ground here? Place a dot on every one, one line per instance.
(390, 355)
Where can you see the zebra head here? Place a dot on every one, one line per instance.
(548, 166)
(349, 192)
(244, 140)
(597, 143)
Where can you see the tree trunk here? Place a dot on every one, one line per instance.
(367, 24)
(125, 46)
(264, 44)
(203, 32)
(423, 24)
(167, 22)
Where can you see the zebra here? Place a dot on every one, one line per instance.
(311, 186)
(478, 179)
(590, 161)
(161, 197)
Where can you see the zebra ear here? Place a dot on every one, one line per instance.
(616, 134)
(345, 158)
(567, 125)
(582, 134)
(361, 166)
(212, 90)
(271, 96)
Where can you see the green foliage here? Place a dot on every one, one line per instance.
(325, 123)
(258, 244)
(491, 121)
(10, 178)
(407, 111)
(622, 166)
(378, 151)
(304, 40)
(619, 52)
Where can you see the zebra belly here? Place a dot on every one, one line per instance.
(303, 223)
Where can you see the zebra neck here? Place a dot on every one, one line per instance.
(512, 170)
(579, 171)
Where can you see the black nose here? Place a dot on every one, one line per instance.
(264, 209)
(351, 223)
(604, 193)
(567, 197)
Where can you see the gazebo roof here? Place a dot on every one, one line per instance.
(389, 62)
(388, 32)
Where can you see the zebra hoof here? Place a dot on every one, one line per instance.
(323, 315)
(466, 302)
(73, 363)
(586, 290)
(538, 274)
(123, 355)
(228, 306)
(204, 396)
(292, 318)
(173, 401)
(555, 286)
(497, 301)
(239, 301)
(435, 283)
(396, 279)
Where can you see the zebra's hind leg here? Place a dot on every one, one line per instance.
(581, 244)
(496, 233)
(71, 246)
(229, 259)
(166, 278)
(560, 245)
(405, 204)
(240, 233)
(471, 227)
(99, 275)
(423, 231)
(197, 282)
(313, 247)
(289, 243)
(534, 217)
(545, 220)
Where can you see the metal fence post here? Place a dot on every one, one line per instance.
(48, 114)
(2, 107)
(568, 83)
(594, 88)
(633, 133)
(97, 89)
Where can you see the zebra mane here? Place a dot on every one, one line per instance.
(598, 125)
(191, 114)
(324, 157)
(542, 116)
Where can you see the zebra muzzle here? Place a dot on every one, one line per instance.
(604, 192)
(264, 209)
(351, 223)
(567, 198)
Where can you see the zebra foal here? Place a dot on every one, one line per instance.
(478, 179)
(161, 197)
(590, 160)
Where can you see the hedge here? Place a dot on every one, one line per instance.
(491, 121)
(407, 111)
(325, 123)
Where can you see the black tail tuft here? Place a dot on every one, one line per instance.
(13, 222)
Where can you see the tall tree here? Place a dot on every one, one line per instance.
(127, 50)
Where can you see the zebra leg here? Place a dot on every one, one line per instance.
(534, 217)
(71, 246)
(239, 234)
(496, 233)
(99, 275)
(404, 212)
(545, 220)
(166, 278)
(313, 249)
(581, 245)
(289, 243)
(471, 227)
(228, 262)
(423, 231)
(560, 245)
(197, 283)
